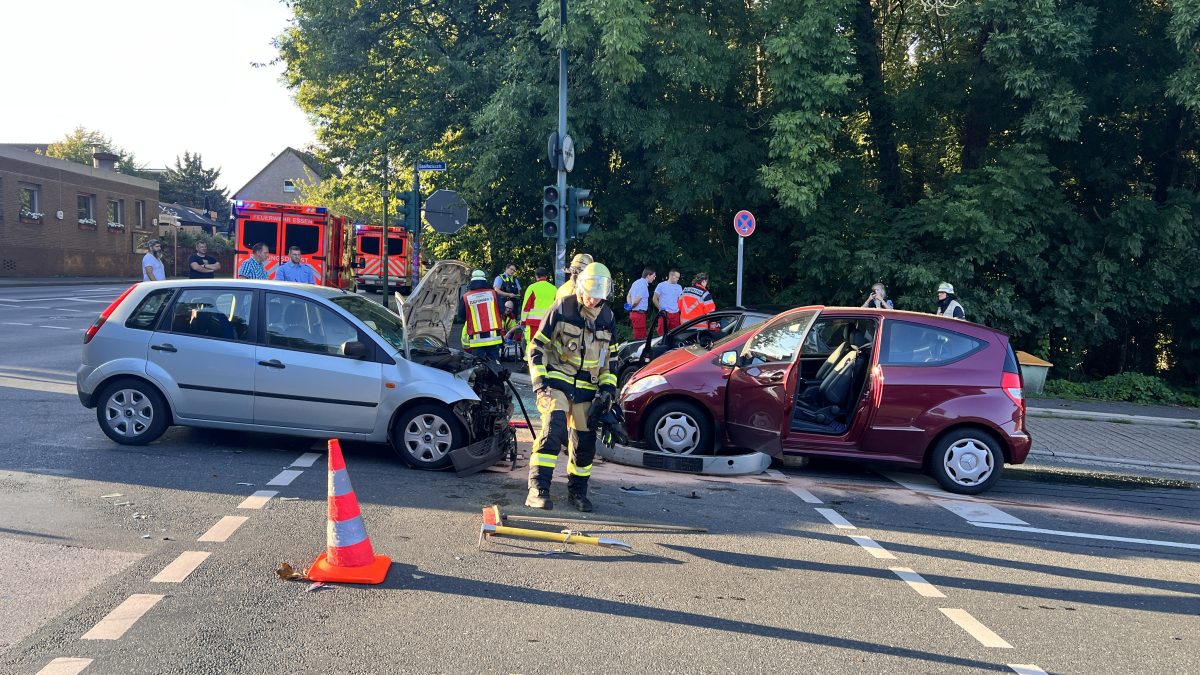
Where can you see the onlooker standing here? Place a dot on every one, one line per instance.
(878, 298)
(638, 299)
(201, 265)
(948, 304)
(507, 286)
(538, 298)
(696, 301)
(252, 267)
(295, 269)
(666, 299)
(152, 266)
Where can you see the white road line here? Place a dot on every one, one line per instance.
(1086, 535)
(223, 529)
(808, 497)
(14, 323)
(59, 327)
(307, 459)
(121, 619)
(1026, 669)
(976, 512)
(177, 571)
(10, 306)
(285, 477)
(67, 309)
(105, 301)
(975, 629)
(66, 665)
(257, 500)
(873, 547)
(837, 519)
(917, 582)
(775, 473)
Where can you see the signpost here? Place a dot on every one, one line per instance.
(416, 235)
(743, 224)
(431, 166)
(446, 211)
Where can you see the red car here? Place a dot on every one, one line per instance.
(843, 382)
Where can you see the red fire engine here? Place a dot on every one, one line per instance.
(326, 241)
(370, 258)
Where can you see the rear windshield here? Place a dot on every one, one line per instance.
(145, 316)
(1010, 360)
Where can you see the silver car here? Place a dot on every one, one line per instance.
(292, 359)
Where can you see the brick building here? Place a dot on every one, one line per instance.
(61, 218)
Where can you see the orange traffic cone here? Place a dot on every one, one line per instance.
(349, 558)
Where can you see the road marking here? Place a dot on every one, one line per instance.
(67, 309)
(873, 547)
(14, 323)
(307, 459)
(917, 582)
(66, 665)
(223, 529)
(105, 301)
(10, 306)
(1026, 669)
(121, 619)
(59, 327)
(808, 497)
(976, 512)
(257, 500)
(837, 519)
(38, 385)
(177, 571)
(1086, 535)
(975, 629)
(285, 477)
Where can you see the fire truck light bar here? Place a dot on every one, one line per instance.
(288, 208)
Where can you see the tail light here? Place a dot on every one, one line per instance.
(91, 332)
(1011, 383)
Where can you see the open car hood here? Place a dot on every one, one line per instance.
(429, 311)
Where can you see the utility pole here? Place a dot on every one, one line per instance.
(383, 245)
(415, 205)
(560, 248)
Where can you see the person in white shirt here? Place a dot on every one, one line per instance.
(152, 267)
(638, 301)
(666, 299)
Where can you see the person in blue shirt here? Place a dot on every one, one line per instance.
(295, 270)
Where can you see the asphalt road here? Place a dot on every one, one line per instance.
(828, 568)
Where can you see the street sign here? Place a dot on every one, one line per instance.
(431, 166)
(446, 211)
(568, 153)
(552, 150)
(743, 223)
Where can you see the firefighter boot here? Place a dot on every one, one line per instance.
(577, 488)
(539, 498)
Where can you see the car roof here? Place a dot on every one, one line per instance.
(915, 317)
(310, 289)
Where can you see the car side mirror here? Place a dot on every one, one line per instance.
(729, 359)
(355, 349)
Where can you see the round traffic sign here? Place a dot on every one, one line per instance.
(743, 223)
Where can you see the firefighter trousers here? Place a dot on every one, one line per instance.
(563, 423)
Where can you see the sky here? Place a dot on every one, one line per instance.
(157, 76)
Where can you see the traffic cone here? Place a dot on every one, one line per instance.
(349, 557)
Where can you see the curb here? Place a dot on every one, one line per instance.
(1116, 418)
(1187, 468)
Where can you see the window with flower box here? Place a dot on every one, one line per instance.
(116, 214)
(31, 202)
(86, 209)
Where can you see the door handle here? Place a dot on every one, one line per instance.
(165, 347)
(273, 363)
(774, 377)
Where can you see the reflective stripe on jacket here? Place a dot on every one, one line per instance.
(483, 318)
(569, 355)
(695, 302)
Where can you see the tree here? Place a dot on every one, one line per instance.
(190, 184)
(80, 143)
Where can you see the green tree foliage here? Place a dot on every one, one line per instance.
(79, 144)
(190, 184)
(1041, 155)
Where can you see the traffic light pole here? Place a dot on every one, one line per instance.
(416, 228)
(383, 245)
(560, 248)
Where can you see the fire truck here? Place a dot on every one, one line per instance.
(370, 258)
(326, 241)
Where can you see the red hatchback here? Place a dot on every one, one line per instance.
(843, 382)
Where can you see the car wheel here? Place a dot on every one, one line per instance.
(425, 434)
(623, 378)
(680, 428)
(132, 412)
(967, 461)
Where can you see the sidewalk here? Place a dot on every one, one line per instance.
(1116, 447)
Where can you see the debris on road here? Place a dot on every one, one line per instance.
(248, 484)
(635, 490)
(287, 573)
(316, 586)
(122, 503)
(113, 495)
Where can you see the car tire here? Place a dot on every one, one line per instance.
(132, 412)
(966, 461)
(623, 377)
(679, 428)
(424, 435)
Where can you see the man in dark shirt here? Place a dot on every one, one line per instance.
(201, 265)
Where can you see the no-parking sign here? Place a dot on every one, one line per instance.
(743, 223)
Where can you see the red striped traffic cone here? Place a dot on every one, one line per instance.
(349, 558)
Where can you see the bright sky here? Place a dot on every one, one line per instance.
(157, 76)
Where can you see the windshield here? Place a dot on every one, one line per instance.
(385, 324)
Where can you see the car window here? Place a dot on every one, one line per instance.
(297, 323)
(384, 323)
(751, 320)
(827, 335)
(908, 343)
(145, 315)
(214, 313)
(780, 340)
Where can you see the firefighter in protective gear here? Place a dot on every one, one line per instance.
(483, 327)
(948, 304)
(568, 366)
(580, 261)
(538, 298)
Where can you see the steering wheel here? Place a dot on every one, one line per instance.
(705, 339)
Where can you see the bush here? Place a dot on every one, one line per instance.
(1128, 387)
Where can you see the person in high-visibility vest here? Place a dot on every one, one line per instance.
(696, 301)
(538, 298)
(580, 261)
(483, 325)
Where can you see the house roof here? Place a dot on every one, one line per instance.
(187, 215)
(307, 158)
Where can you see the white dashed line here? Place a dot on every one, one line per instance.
(223, 529)
(873, 547)
(837, 519)
(10, 306)
(1086, 535)
(65, 666)
(58, 327)
(177, 571)
(917, 582)
(14, 323)
(975, 629)
(307, 459)
(285, 477)
(808, 497)
(1026, 669)
(257, 500)
(121, 619)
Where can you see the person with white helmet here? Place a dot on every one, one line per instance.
(568, 367)
(483, 328)
(947, 304)
(580, 261)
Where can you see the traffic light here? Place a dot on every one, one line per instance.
(551, 207)
(412, 210)
(579, 214)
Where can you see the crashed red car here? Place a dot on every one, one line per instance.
(850, 383)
